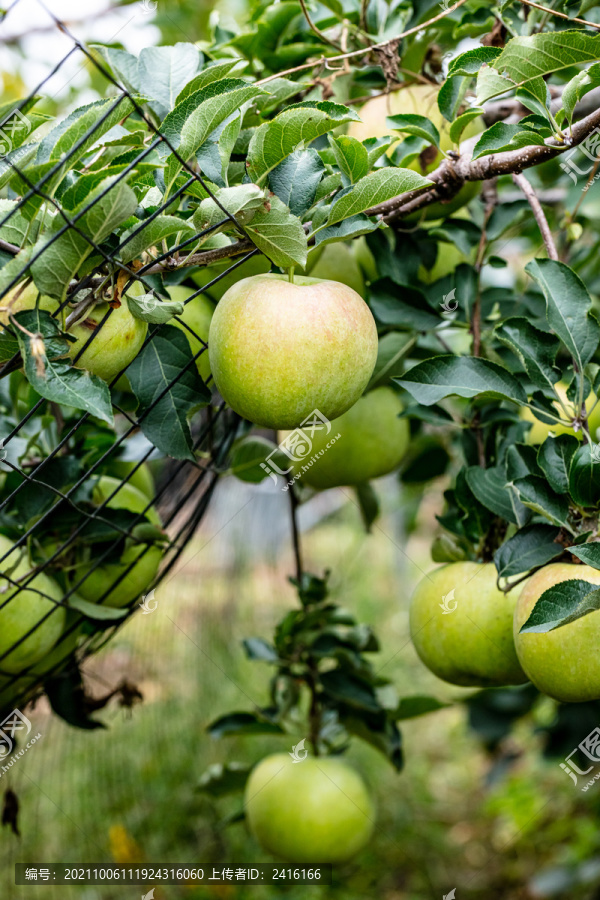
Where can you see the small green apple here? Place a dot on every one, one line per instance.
(563, 663)
(461, 626)
(197, 314)
(27, 299)
(314, 811)
(115, 344)
(278, 350)
(144, 559)
(141, 479)
(421, 100)
(22, 610)
(372, 442)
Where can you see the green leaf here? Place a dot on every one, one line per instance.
(220, 779)
(578, 87)
(16, 229)
(491, 84)
(404, 308)
(535, 493)
(584, 477)
(242, 723)
(554, 458)
(368, 503)
(297, 125)
(535, 349)
(156, 370)
(249, 452)
(568, 306)
(50, 372)
(14, 268)
(208, 75)
(347, 230)
(162, 72)
(375, 188)
(279, 235)
(241, 201)
(296, 179)
(191, 122)
(97, 611)
(532, 56)
(343, 687)
(443, 376)
(503, 136)
(562, 604)
(470, 62)
(490, 488)
(149, 308)
(110, 203)
(419, 705)
(258, 649)
(152, 234)
(530, 548)
(588, 554)
(459, 125)
(351, 157)
(419, 126)
(17, 159)
(214, 155)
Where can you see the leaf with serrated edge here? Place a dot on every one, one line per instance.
(151, 234)
(375, 188)
(562, 604)
(279, 235)
(443, 376)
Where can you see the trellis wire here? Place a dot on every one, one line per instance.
(217, 427)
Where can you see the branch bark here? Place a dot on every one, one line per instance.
(538, 212)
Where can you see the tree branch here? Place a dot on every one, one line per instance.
(317, 31)
(538, 212)
(554, 12)
(451, 174)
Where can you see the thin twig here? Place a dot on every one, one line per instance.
(323, 60)
(296, 535)
(554, 12)
(317, 30)
(540, 216)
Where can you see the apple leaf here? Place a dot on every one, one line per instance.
(50, 372)
(166, 383)
(503, 136)
(411, 707)
(374, 188)
(300, 123)
(470, 62)
(578, 87)
(347, 230)
(149, 234)
(248, 453)
(443, 376)
(535, 349)
(296, 179)
(490, 488)
(150, 309)
(568, 306)
(554, 459)
(391, 350)
(459, 124)
(162, 72)
(241, 201)
(588, 554)
(562, 604)
(368, 503)
(279, 235)
(419, 126)
(242, 723)
(536, 493)
(584, 477)
(97, 611)
(530, 548)
(214, 72)
(351, 158)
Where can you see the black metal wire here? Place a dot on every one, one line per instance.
(214, 430)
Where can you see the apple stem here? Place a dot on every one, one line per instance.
(291, 274)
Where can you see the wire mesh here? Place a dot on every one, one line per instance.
(43, 578)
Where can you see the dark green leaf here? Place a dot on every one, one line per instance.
(529, 548)
(584, 477)
(368, 502)
(411, 707)
(562, 604)
(535, 493)
(242, 723)
(219, 780)
(554, 458)
(443, 376)
(588, 553)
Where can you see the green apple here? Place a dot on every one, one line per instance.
(421, 100)
(278, 351)
(563, 663)
(144, 559)
(539, 430)
(461, 626)
(336, 262)
(115, 344)
(197, 314)
(27, 299)
(314, 811)
(372, 442)
(256, 265)
(141, 479)
(22, 610)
